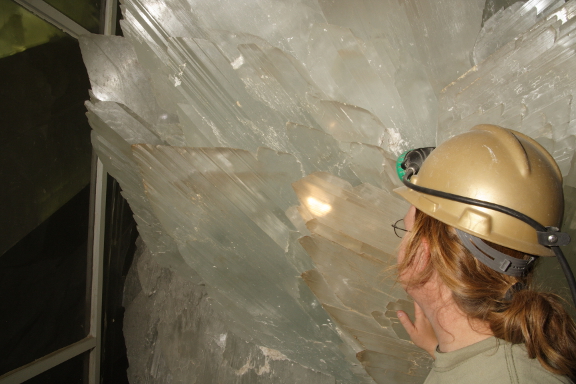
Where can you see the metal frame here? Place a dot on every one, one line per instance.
(100, 179)
(54, 17)
(92, 342)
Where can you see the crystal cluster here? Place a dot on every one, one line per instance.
(525, 85)
(256, 143)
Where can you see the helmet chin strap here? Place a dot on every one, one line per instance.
(550, 237)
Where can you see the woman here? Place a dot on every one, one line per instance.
(468, 267)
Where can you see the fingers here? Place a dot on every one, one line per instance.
(406, 322)
(420, 331)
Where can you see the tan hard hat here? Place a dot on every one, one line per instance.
(499, 166)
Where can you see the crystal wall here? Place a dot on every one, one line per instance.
(256, 142)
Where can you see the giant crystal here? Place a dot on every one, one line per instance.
(256, 142)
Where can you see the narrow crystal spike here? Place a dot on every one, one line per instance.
(353, 321)
(501, 28)
(340, 209)
(526, 97)
(358, 288)
(352, 265)
(392, 52)
(278, 80)
(371, 165)
(440, 21)
(354, 75)
(349, 123)
(320, 151)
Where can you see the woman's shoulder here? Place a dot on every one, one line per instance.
(525, 369)
(493, 361)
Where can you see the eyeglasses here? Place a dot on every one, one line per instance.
(399, 229)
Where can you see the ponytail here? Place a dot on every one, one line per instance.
(533, 318)
(540, 321)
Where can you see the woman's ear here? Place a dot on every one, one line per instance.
(423, 255)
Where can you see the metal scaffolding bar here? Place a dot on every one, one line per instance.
(51, 360)
(92, 342)
(53, 16)
(97, 273)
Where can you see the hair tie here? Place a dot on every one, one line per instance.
(513, 289)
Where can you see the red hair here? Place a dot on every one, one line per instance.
(536, 319)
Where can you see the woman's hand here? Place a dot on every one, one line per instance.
(420, 331)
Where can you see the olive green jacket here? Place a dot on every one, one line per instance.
(491, 361)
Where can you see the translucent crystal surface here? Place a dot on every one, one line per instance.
(526, 85)
(256, 144)
(166, 318)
